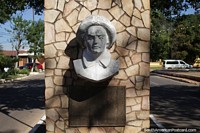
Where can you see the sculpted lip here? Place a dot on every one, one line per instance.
(96, 46)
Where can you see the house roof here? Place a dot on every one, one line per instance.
(13, 53)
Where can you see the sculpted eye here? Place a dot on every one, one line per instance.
(90, 37)
(101, 36)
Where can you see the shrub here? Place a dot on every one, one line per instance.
(4, 75)
(24, 71)
(13, 71)
(7, 62)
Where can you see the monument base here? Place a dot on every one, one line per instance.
(105, 108)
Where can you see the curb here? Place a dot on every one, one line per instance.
(157, 123)
(2, 81)
(179, 77)
(34, 73)
(40, 122)
(21, 78)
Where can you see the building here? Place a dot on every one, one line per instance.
(24, 56)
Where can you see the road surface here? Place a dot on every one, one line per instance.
(175, 104)
(21, 104)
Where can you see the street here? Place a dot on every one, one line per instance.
(174, 104)
(21, 104)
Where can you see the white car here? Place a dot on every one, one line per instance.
(175, 64)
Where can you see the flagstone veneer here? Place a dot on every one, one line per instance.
(131, 19)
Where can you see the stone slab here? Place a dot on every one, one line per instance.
(103, 108)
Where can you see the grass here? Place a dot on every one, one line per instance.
(14, 76)
(155, 68)
(14, 73)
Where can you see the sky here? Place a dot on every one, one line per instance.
(189, 11)
(5, 36)
(27, 14)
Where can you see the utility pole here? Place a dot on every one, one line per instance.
(33, 59)
(33, 10)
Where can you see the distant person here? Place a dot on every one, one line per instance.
(96, 34)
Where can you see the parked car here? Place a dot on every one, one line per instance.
(30, 65)
(175, 64)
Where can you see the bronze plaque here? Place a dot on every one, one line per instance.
(105, 108)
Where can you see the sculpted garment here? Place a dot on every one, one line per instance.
(96, 70)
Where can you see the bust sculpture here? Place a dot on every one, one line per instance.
(96, 34)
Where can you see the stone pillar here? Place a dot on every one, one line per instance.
(131, 19)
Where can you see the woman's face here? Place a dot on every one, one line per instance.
(96, 39)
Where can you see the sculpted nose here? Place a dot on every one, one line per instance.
(96, 39)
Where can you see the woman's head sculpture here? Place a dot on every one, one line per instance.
(95, 20)
(96, 35)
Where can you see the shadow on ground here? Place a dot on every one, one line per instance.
(21, 95)
(176, 106)
(41, 129)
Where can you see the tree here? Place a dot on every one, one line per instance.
(1, 49)
(160, 34)
(35, 38)
(186, 39)
(163, 15)
(9, 7)
(173, 7)
(18, 29)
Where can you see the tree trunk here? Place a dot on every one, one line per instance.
(34, 64)
(17, 48)
(17, 56)
(33, 68)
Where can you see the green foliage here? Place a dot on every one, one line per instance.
(1, 48)
(6, 62)
(180, 55)
(27, 32)
(173, 35)
(173, 7)
(9, 63)
(9, 7)
(13, 73)
(4, 75)
(35, 38)
(24, 71)
(18, 29)
(160, 34)
(186, 39)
